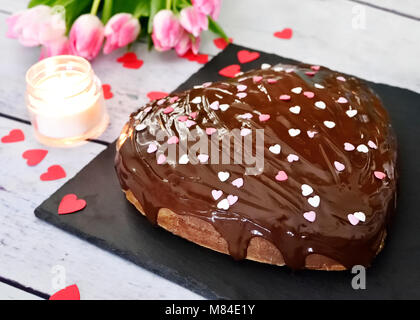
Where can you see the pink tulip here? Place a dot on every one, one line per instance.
(167, 30)
(120, 30)
(38, 25)
(61, 46)
(186, 43)
(208, 7)
(193, 21)
(86, 36)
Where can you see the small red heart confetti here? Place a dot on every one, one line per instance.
(230, 71)
(245, 56)
(54, 172)
(68, 293)
(106, 88)
(130, 61)
(221, 43)
(34, 156)
(286, 33)
(14, 135)
(200, 58)
(156, 95)
(69, 204)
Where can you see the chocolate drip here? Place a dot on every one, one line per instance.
(267, 207)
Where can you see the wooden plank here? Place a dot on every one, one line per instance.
(408, 7)
(11, 293)
(12, 6)
(29, 248)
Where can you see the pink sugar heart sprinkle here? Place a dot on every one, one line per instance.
(239, 182)
(372, 144)
(173, 140)
(285, 97)
(147, 109)
(210, 131)
(309, 94)
(214, 105)
(173, 99)
(310, 73)
(341, 78)
(281, 176)
(339, 166)
(342, 100)
(206, 84)
(310, 216)
(348, 146)
(168, 110)
(161, 159)
(182, 118)
(264, 117)
(216, 194)
(160, 102)
(272, 80)
(193, 115)
(256, 79)
(190, 123)
(232, 199)
(353, 220)
(315, 68)
(379, 175)
(152, 148)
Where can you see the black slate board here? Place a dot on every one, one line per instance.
(110, 222)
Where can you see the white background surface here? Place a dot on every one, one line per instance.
(387, 50)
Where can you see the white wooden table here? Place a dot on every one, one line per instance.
(374, 39)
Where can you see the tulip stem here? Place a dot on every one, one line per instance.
(168, 4)
(95, 7)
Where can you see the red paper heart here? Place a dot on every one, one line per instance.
(69, 204)
(221, 43)
(68, 293)
(34, 156)
(230, 71)
(14, 135)
(156, 95)
(106, 88)
(286, 33)
(54, 172)
(245, 56)
(130, 61)
(200, 58)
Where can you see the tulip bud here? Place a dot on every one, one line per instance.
(86, 36)
(120, 30)
(193, 21)
(167, 30)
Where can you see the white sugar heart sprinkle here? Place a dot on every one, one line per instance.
(190, 123)
(329, 124)
(306, 189)
(292, 157)
(210, 131)
(341, 78)
(161, 159)
(295, 109)
(216, 194)
(310, 216)
(241, 87)
(275, 149)
(160, 102)
(297, 90)
(348, 146)
(294, 132)
(319, 86)
(311, 134)
(353, 220)
(147, 109)
(246, 116)
(223, 175)
(140, 127)
(152, 148)
(314, 201)
(239, 182)
(223, 204)
(184, 159)
(265, 66)
(320, 105)
(224, 107)
(351, 113)
(203, 157)
(290, 70)
(196, 100)
(232, 199)
(360, 215)
(214, 105)
(241, 95)
(245, 132)
(278, 69)
(362, 148)
(372, 144)
(342, 100)
(339, 166)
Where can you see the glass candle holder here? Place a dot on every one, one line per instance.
(65, 101)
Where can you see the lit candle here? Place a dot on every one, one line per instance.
(65, 101)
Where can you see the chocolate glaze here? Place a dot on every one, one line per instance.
(266, 207)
